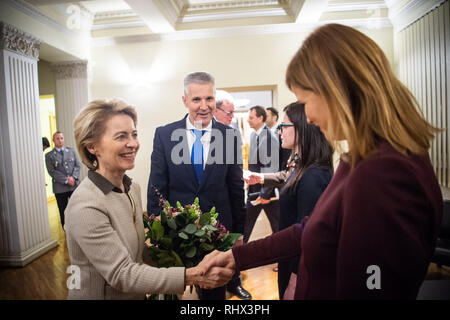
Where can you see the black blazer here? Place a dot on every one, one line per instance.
(222, 185)
(267, 159)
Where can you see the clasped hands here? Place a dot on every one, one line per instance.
(215, 270)
(71, 181)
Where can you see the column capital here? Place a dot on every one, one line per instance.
(70, 69)
(18, 41)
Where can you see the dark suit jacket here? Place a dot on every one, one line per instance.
(263, 157)
(222, 185)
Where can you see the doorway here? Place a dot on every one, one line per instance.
(48, 128)
(244, 99)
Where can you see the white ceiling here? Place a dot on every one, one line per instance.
(96, 6)
(113, 18)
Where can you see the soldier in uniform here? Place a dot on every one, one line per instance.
(64, 168)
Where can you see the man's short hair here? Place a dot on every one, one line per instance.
(260, 112)
(198, 77)
(274, 111)
(57, 132)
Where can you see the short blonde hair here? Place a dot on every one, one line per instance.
(365, 99)
(89, 125)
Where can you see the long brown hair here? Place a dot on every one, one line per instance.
(315, 151)
(365, 99)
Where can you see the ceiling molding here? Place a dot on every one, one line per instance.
(49, 2)
(172, 9)
(119, 25)
(115, 14)
(237, 31)
(266, 12)
(234, 5)
(151, 13)
(405, 12)
(294, 7)
(34, 13)
(333, 7)
(311, 11)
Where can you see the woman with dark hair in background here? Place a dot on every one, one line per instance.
(308, 174)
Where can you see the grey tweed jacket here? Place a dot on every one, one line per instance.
(105, 240)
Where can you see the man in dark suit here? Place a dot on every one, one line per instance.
(64, 167)
(271, 122)
(199, 157)
(264, 158)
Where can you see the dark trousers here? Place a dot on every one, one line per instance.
(285, 269)
(62, 199)
(272, 210)
(212, 294)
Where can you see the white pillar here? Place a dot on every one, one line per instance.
(71, 96)
(24, 225)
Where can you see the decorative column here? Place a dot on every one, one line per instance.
(24, 225)
(71, 96)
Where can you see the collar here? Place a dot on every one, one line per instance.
(105, 185)
(190, 126)
(62, 149)
(258, 132)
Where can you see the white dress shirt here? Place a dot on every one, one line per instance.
(206, 139)
(258, 132)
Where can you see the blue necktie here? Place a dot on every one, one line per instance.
(197, 154)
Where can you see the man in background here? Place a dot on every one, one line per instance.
(64, 168)
(271, 122)
(224, 107)
(263, 157)
(272, 119)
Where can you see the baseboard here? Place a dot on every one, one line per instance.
(24, 258)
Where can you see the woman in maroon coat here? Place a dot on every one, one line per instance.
(373, 231)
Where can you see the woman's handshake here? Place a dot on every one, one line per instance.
(215, 270)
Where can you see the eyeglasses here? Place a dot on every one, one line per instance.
(281, 126)
(230, 113)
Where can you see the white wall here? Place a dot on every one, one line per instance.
(149, 75)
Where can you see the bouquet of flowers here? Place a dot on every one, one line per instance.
(182, 236)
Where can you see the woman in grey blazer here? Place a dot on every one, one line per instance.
(104, 227)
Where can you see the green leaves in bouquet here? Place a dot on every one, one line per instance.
(156, 230)
(190, 229)
(165, 258)
(182, 236)
(204, 219)
(228, 241)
